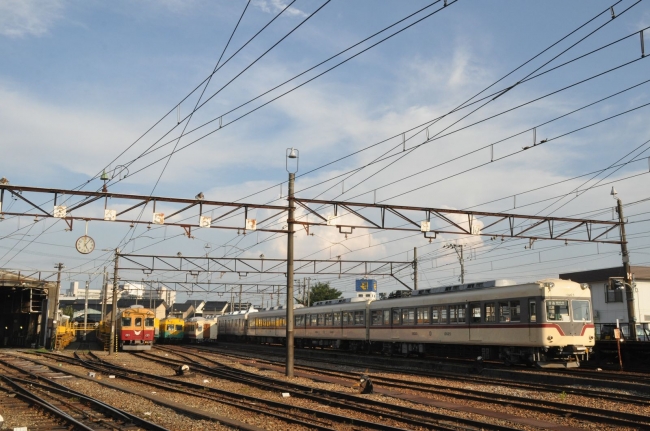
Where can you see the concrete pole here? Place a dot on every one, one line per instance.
(104, 294)
(290, 223)
(415, 268)
(114, 310)
(86, 311)
(629, 290)
(462, 266)
(55, 321)
(239, 309)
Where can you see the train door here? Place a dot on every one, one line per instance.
(396, 322)
(533, 328)
(206, 331)
(474, 320)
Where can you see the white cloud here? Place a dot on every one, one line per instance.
(275, 6)
(20, 18)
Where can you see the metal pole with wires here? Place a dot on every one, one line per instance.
(114, 309)
(628, 282)
(291, 153)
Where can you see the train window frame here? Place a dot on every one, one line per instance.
(337, 318)
(422, 315)
(461, 313)
(321, 319)
(435, 311)
(491, 315)
(386, 317)
(503, 311)
(313, 320)
(532, 310)
(444, 315)
(515, 310)
(408, 316)
(360, 317)
(396, 316)
(179, 327)
(170, 327)
(452, 313)
(376, 317)
(329, 319)
(555, 303)
(149, 322)
(573, 312)
(474, 307)
(138, 322)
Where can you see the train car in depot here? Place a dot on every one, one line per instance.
(545, 323)
(234, 326)
(136, 328)
(201, 330)
(172, 330)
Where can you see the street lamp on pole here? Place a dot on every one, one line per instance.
(291, 154)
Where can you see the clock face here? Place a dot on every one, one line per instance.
(85, 244)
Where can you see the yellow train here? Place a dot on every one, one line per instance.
(171, 330)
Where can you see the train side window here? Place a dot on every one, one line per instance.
(460, 314)
(580, 310)
(360, 317)
(557, 310)
(408, 316)
(387, 317)
(515, 311)
(435, 314)
(376, 317)
(475, 310)
(346, 318)
(321, 319)
(504, 311)
(397, 316)
(313, 320)
(170, 327)
(423, 315)
(337, 318)
(443, 314)
(179, 327)
(328, 319)
(532, 310)
(490, 312)
(452, 313)
(138, 322)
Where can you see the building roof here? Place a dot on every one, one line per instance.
(21, 279)
(182, 307)
(602, 274)
(213, 306)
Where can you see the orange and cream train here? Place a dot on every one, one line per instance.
(544, 323)
(136, 328)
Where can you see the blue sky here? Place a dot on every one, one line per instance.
(82, 80)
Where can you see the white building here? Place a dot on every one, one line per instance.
(131, 290)
(75, 292)
(610, 303)
(161, 292)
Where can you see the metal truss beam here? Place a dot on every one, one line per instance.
(454, 222)
(194, 266)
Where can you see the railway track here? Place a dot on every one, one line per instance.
(594, 415)
(32, 384)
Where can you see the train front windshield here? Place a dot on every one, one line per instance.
(126, 321)
(558, 311)
(148, 322)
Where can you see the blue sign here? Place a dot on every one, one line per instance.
(366, 286)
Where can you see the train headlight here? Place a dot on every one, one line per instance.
(591, 337)
(550, 337)
(584, 286)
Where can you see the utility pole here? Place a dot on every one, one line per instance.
(290, 223)
(458, 248)
(114, 309)
(629, 288)
(104, 294)
(308, 289)
(415, 268)
(239, 309)
(86, 311)
(55, 321)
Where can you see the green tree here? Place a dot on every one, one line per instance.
(68, 311)
(323, 292)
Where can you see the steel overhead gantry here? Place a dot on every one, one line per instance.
(197, 265)
(63, 208)
(455, 222)
(429, 221)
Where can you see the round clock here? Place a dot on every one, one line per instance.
(85, 244)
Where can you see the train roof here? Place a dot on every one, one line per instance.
(466, 286)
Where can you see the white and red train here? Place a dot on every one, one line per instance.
(547, 322)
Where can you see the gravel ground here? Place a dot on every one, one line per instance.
(139, 364)
(569, 399)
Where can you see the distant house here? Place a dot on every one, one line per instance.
(182, 311)
(609, 301)
(214, 308)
